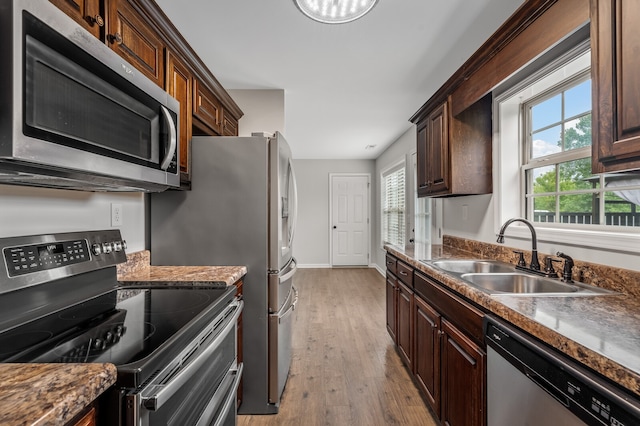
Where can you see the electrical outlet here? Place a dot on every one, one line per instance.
(116, 214)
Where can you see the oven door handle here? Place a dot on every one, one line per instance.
(230, 388)
(155, 402)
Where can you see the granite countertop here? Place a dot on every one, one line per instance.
(50, 394)
(601, 332)
(138, 272)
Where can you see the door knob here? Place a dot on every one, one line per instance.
(335, 227)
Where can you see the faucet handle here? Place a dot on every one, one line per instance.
(567, 270)
(521, 261)
(549, 270)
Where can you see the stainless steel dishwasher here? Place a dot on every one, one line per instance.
(529, 383)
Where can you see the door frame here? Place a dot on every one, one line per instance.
(331, 176)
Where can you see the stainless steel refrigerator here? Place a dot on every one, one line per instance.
(241, 210)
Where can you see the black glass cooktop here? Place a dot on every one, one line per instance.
(122, 326)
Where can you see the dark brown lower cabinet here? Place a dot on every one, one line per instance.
(392, 302)
(426, 360)
(405, 324)
(463, 379)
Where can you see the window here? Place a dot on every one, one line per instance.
(393, 206)
(559, 186)
(542, 120)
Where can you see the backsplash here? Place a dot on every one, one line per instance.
(611, 278)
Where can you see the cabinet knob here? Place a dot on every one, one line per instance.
(97, 20)
(115, 38)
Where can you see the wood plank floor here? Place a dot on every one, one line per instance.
(345, 369)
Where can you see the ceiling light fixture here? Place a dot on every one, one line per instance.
(335, 11)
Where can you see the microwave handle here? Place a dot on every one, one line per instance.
(173, 138)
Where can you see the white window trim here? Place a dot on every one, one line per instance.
(507, 202)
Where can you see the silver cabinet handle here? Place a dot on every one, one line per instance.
(173, 138)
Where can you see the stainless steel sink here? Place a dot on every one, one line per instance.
(466, 266)
(495, 277)
(520, 283)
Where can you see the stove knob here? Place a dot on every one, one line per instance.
(96, 249)
(117, 246)
(108, 337)
(118, 330)
(97, 344)
(107, 248)
(124, 245)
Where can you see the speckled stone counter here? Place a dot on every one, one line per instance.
(138, 272)
(601, 332)
(50, 394)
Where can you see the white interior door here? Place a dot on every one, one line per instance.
(350, 220)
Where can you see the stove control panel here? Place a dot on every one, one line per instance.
(35, 257)
(28, 259)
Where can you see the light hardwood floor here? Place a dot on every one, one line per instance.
(345, 369)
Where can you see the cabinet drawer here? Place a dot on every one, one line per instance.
(405, 273)
(459, 312)
(206, 107)
(391, 264)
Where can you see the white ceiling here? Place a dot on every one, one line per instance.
(346, 86)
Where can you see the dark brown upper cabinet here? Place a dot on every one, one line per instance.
(135, 40)
(454, 153)
(616, 85)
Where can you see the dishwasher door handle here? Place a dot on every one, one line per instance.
(546, 386)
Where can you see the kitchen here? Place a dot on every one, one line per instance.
(31, 211)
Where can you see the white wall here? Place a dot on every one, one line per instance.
(311, 242)
(263, 111)
(400, 150)
(28, 211)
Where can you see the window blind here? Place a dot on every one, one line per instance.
(393, 206)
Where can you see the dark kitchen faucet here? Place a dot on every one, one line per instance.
(535, 264)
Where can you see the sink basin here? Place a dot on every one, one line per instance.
(472, 266)
(518, 283)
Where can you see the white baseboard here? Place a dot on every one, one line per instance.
(379, 269)
(312, 266)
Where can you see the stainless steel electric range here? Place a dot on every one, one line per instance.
(174, 348)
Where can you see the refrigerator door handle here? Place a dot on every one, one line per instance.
(295, 203)
(291, 308)
(292, 271)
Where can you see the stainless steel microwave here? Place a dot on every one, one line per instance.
(74, 114)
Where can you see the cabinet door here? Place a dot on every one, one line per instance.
(616, 86)
(206, 108)
(130, 35)
(179, 82)
(229, 125)
(426, 357)
(88, 419)
(392, 302)
(463, 379)
(405, 324)
(88, 13)
(423, 158)
(438, 150)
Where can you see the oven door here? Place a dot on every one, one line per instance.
(199, 386)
